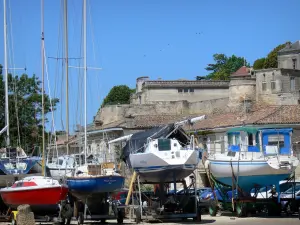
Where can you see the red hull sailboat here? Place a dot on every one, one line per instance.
(42, 194)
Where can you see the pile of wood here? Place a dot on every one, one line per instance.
(25, 216)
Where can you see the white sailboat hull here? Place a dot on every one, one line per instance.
(156, 167)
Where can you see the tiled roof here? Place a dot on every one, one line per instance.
(288, 114)
(243, 71)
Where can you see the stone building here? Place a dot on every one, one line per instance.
(151, 91)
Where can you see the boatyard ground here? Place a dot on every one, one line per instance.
(218, 220)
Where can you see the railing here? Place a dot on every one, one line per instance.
(243, 152)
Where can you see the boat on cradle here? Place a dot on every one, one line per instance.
(64, 166)
(255, 157)
(92, 183)
(162, 154)
(15, 165)
(43, 194)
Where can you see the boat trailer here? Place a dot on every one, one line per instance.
(107, 210)
(243, 204)
(164, 206)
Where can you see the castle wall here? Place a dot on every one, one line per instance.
(240, 90)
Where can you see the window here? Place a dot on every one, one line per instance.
(250, 139)
(191, 89)
(273, 84)
(292, 80)
(164, 144)
(294, 64)
(186, 90)
(276, 140)
(180, 90)
(264, 86)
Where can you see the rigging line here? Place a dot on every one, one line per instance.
(50, 98)
(13, 76)
(94, 53)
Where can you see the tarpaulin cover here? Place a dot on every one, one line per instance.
(138, 141)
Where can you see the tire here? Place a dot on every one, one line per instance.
(63, 221)
(120, 220)
(212, 209)
(68, 221)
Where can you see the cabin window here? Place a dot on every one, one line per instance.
(164, 144)
(20, 184)
(250, 139)
(230, 139)
(60, 161)
(233, 139)
(276, 140)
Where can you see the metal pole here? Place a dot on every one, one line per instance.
(43, 88)
(6, 75)
(85, 71)
(67, 70)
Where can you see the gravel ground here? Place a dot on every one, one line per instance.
(218, 220)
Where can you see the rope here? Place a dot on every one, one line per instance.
(50, 98)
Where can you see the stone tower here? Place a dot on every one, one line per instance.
(242, 89)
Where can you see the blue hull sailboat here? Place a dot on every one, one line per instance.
(92, 185)
(256, 157)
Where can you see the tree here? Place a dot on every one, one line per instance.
(271, 60)
(259, 64)
(118, 95)
(224, 66)
(25, 110)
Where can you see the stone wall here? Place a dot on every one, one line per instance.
(241, 90)
(283, 91)
(113, 113)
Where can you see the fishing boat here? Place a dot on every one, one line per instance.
(42, 194)
(254, 157)
(162, 154)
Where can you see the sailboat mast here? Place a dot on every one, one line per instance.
(85, 71)
(67, 70)
(43, 85)
(6, 74)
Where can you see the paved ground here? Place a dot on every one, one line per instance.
(218, 220)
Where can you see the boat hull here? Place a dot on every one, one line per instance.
(95, 184)
(155, 169)
(249, 173)
(93, 190)
(41, 200)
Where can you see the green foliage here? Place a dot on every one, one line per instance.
(224, 66)
(271, 60)
(118, 95)
(25, 108)
(259, 64)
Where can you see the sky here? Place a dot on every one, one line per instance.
(128, 39)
